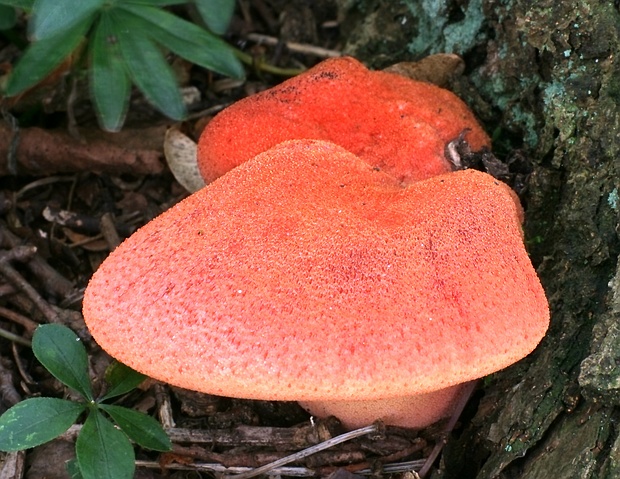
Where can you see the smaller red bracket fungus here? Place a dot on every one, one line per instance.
(397, 124)
(307, 274)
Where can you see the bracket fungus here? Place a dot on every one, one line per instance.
(394, 123)
(308, 274)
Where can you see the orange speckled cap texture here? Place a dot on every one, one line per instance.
(305, 273)
(394, 123)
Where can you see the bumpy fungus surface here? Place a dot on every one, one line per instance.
(307, 274)
(394, 123)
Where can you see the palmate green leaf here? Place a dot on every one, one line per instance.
(103, 451)
(216, 14)
(185, 39)
(53, 17)
(110, 87)
(142, 429)
(8, 17)
(36, 421)
(121, 379)
(62, 353)
(147, 67)
(41, 57)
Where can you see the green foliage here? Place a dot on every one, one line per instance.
(36, 421)
(8, 17)
(23, 4)
(125, 43)
(103, 451)
(59, 350)
(103, 448)
(216, 14)
(8, 12)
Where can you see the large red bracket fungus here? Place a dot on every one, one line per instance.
(359, 282)
(399, 125)
(306, 274)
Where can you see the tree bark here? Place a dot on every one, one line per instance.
(544, 79)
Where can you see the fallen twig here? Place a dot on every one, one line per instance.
(51, 280)
(22, 253)
(28, 324)
(44, 152)
(13, 465)
(276, 437)
(465, 395)
(294, 47)
(16, 338)
(9, 394)
(267, 468)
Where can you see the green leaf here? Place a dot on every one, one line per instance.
(110, 87)
(23, 4)
(53, 17)
(186, 39)
(216, 14)
(8, 17)
(148, 68)
(35, 421)
(103, 451)
(42, 57)
(73, 469)
(121, 379)
(158, 3)
(61, 352)
(142, 429)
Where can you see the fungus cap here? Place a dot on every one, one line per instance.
(307, 274)
(392, 122)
